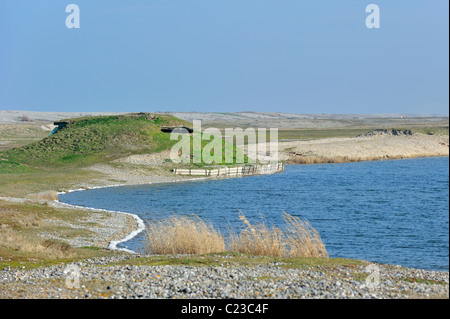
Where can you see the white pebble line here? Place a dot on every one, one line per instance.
(113, 244)
(141, 226)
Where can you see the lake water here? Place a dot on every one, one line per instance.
(394, 212)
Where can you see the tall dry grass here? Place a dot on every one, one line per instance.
(48, 248)
(302, 239)
(258, 239)
(183, 235)
(298, 239)
(25, 221)
(191, 235)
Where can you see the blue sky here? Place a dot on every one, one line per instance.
(292, 56)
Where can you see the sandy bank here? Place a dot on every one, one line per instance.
(380, 147)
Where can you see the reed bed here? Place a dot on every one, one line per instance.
(302, 239)
(183, 235)
(297, 239)
(348, 159)
(191, 235)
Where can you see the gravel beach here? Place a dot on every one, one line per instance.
(117, 278)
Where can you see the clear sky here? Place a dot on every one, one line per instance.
(309, 56)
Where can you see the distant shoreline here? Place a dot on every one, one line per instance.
(358, 149)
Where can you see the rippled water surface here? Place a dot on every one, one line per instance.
(394, 212)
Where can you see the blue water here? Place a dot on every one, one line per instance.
(394, 212)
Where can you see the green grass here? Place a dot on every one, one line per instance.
(12, 167)
(239, 259)
(17, 259)
(236, 154)
(36, 180)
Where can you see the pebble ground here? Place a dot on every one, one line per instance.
(117, 278)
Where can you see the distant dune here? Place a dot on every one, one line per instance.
(251, 119)
(15, 117)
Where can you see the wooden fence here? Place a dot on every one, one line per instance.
(232, 171)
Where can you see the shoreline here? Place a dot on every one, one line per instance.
(112, 244)
(140, 223)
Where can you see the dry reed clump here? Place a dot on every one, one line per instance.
(16, 218)
(58, 248)
(258, 239)
(191, 235)
(183, 235)
(49, 248)
(303, 240)
(298, 240)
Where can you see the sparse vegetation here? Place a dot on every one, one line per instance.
(23, 229)
(25, 118)
(51, 249)
(16, 135)
(234, 258)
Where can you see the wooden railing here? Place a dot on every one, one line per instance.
(256, 169)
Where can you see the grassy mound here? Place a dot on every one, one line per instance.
(99, 139)
(91, 140)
